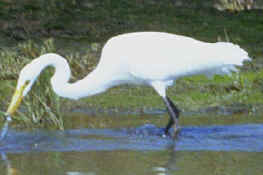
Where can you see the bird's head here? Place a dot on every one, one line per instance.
(25, 81)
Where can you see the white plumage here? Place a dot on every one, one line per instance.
(149, 58)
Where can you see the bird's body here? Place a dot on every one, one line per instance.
(149, 58)
(145, 58)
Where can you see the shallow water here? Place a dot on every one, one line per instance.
(198, 149)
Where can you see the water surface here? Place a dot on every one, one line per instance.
(235, 148)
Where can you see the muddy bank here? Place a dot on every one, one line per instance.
(215, 110)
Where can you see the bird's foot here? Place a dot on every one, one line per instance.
(172, 133)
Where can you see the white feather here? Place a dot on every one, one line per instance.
(150, 58)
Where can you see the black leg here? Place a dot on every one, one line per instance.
(176, 111)
(173, 113)
(169, 125)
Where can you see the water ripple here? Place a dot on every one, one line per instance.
(247, 137)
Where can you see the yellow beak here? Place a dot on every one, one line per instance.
(16, 100)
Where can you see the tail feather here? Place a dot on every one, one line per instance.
(231, 56)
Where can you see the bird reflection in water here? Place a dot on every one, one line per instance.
(9, 169)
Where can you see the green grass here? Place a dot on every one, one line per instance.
(42, 106)
(2, 113)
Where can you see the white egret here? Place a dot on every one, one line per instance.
(149, 58)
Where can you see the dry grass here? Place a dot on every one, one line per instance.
(234, 5)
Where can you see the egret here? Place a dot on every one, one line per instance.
(154, 59)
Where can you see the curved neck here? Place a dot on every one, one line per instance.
(92, 84)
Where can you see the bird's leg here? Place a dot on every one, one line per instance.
(174, 115)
